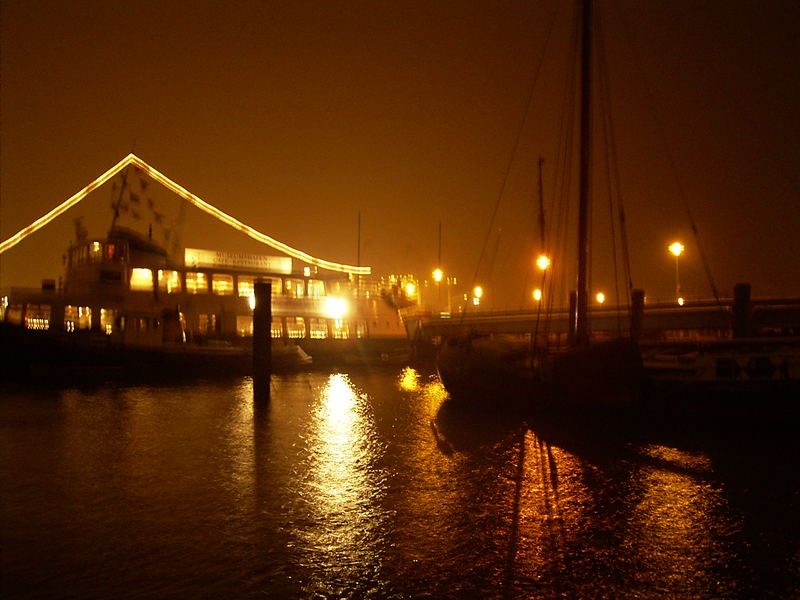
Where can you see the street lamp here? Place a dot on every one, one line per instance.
(601, 297)
(477, 294)
(676, 248)
(543, 262)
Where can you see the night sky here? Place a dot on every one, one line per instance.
(294, 116)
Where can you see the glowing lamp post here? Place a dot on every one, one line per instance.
(543, 262)
(477, 294)
(676, 248)
(600, 297)
(537, 295)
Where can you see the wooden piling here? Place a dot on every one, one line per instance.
(741, 310)
(637, 314)
(262, 340)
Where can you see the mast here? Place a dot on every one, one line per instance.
(582, 309)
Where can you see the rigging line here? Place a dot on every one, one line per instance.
(517, 139)
(670, 159)
(610, 156)
(562, 180)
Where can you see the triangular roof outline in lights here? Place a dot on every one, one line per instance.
(132, 159)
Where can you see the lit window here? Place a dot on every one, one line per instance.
(196, 283)
(77, 318)
(95, 252)
(295, 327)
(361, 329)
(142, 280)
(245, 286)
(316, 288)
(169, 281)
(244, 325)
(207, 324)
(107, 318)
(277, 328)
(37, 316)
(295, 288)
(318, 329)
(339, 329)
(222, 285)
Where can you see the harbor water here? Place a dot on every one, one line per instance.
(368, 484)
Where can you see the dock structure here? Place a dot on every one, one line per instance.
(741, 316)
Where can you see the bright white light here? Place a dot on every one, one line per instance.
(252, 301)
(537, 294)
(437, 275)
(543, 262)
(676, 248)
(410, 289)
(680, 301)
(601, 297)
(335, 308)
(478, 292)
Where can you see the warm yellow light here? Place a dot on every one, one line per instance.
(680, 301)
(676, 248)
(478, 292)
(132, 159)
(252, 301)
(335, 308)
(409, 380)
(437, 275)
(476, 300)
(543, 262)
(410, 289)
(601, 297)
(141, 279)
(537, 294)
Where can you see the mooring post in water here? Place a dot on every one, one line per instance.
(262, 340)
(573, 315)
(741, 310)
(637, 314)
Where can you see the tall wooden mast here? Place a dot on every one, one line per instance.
(582, 309)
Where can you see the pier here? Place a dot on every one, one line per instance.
(730, 318)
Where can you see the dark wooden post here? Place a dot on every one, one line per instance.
(573, 316)
(262, 340)
(741, 310)
(637, 314)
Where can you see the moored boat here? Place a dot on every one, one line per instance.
(126, 302)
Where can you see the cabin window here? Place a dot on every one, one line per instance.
(196, 283)
(244, 286)
(169, 281)
(142, 280)
(95, 252)
(277, 328)
(361, 328)
(244, 325)
(37, 316)
(339, 329)
(77, 318)
(222, 285)
(295, 327)
(318, 328)
(316, 288)
(295, 288)
(207, 324)
(107, 318)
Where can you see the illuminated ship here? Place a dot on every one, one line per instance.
(128, 303)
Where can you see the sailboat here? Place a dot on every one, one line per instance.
(588, 373)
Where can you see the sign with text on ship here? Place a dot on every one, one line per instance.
(214, 259)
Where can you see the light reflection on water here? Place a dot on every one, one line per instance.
(370, 485)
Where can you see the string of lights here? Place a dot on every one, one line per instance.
(189, 197)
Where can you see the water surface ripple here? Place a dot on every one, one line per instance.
(369, 485)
